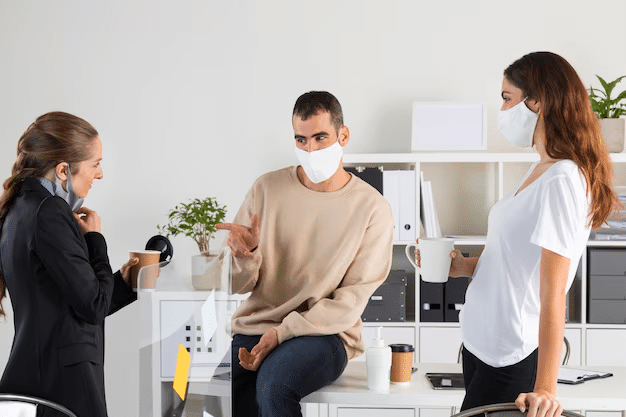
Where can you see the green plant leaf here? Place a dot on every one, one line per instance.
(602, 103)
(621, 96)
(611, 85)
(602, 82)
(196, 219)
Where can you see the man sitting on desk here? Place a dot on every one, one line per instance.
(318, 244)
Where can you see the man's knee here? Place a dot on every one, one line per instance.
(277, 398)
(274, 388)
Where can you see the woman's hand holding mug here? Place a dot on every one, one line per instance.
(125, 269)
(459, 265)
(439, 252)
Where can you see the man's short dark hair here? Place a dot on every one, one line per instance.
(315, 102)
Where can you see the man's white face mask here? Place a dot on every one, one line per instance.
(517, 124)
(320, 165)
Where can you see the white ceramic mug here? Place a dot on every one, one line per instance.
(435, 258)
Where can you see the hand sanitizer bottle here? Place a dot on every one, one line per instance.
(378, 358)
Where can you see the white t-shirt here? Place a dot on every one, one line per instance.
(500, 318)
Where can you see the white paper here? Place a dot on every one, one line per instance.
(617, 224)
(576, 374)
(209, 318)
(430, 216)
(433, 229)
(448, 126)
(604, 236)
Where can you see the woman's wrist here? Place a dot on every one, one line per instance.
(539, 387)
(471, 266)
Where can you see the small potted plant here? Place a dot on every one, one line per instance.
(197, 220)
(609, 111)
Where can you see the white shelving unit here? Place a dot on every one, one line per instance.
(591, 344)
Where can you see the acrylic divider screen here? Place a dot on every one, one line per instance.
(185, 340)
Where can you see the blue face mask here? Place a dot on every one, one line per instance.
(74, 201)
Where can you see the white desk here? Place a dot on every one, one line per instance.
(351, 388)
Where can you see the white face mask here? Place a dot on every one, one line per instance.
(69, 196)
(517, 124)
(320, 165)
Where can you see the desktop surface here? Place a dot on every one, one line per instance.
(351, 388)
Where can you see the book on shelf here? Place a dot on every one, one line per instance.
(428, 214)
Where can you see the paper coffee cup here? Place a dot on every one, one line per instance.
(401, 363)
(149, 259)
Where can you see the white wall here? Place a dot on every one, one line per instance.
(193, 98)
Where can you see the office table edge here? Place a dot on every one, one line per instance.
(351, 389)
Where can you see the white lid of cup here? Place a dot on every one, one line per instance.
(144, 251)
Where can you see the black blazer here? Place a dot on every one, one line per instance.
(61, 288)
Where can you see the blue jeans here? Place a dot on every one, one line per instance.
(296, 368)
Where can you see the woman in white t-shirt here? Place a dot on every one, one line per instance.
(513, 319)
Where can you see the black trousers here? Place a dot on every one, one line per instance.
(485, 385)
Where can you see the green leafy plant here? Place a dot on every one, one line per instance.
(196, 220)
(602, 103)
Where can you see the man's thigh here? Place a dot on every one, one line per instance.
(304, 364)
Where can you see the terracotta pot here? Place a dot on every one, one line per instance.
(613, 134)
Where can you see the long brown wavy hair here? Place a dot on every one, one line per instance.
(572, 128)
(53, 138)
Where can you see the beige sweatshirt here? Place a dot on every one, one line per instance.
(320, 258)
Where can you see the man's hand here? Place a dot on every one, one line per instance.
(88, 220)
(253, 359)
(540, 404)
(242, 239)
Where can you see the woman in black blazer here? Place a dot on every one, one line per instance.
(54, 264)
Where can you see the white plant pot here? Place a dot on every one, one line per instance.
(613, 134)
(206, 272)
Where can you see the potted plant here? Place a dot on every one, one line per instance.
(197, 220)
(609, 111)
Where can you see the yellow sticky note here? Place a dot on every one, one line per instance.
(182, 371)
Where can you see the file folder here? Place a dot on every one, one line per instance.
(391, 192)
(371, 175)
(573, 376)
(406, 211)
